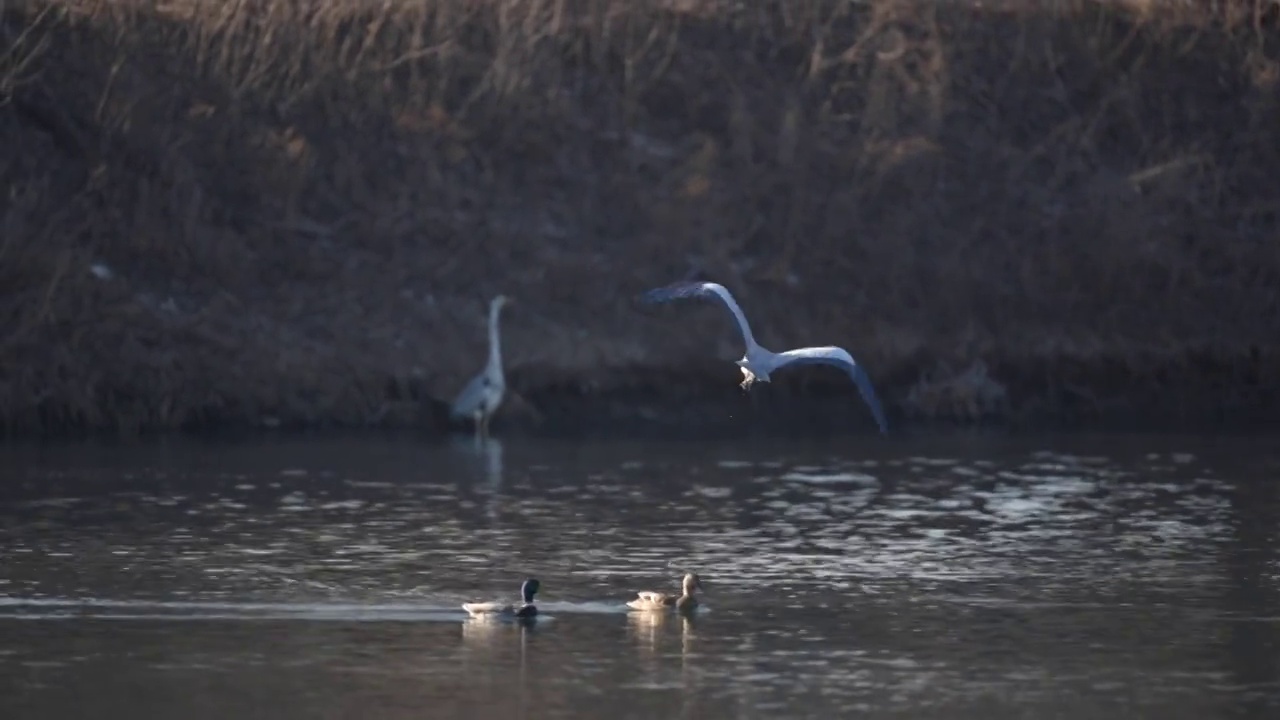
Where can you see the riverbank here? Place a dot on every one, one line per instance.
(289, 214)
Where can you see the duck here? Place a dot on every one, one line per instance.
(526, 609)
(647, 600)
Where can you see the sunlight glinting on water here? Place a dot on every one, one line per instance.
(833, 583)
(920, 582)
(1066, 521)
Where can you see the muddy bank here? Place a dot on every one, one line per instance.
(291, 213)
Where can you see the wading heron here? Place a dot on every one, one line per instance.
(758, 363)
(481, 397)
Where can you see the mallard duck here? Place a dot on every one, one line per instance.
(646, 600)
(526, 609)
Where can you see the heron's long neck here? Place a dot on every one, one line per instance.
(747, 336)
(495, 343)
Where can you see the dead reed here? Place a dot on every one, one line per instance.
(290, 211)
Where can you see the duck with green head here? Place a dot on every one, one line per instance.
(526, 609)
(648, 600)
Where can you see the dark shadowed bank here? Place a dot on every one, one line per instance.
(291, 212)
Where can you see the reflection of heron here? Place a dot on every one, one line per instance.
(482, 396)
(493, 464)
(484, 456)
(526, 609)
(488, 455)
(493, 473)
(757, 363)
(648, 600)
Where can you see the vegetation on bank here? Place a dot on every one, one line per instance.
(294, 210)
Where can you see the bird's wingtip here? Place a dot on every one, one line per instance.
(644, 298)
(660, 293)
(679, 288)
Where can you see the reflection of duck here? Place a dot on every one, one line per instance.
(489, 640)
(648, 630)
(647, 600)
(526, 609)
(489, 631)
(647, 627)
(482, 628)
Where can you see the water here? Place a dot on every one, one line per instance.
(964, 577)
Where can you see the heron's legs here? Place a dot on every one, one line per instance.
(478, 417)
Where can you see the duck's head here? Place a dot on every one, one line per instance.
(692, 582)
(529, 588)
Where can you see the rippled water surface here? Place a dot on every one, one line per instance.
(963, 577)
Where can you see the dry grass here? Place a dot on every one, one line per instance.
(303, 203)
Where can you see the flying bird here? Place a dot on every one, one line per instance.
(759, 363)
(482, 396)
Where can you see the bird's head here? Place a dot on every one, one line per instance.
(500, 301)
(529, 588)
(692, 582)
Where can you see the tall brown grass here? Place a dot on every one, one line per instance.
(303, 204)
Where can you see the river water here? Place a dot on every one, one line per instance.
(965, 576)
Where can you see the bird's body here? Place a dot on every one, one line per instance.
(759, 363)
(483, 395)
(497, 608)
(685, 601)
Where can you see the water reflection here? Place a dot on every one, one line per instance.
(972, 577)
(664, 663)
(1254, 592)
(647, 627)
(484, 460)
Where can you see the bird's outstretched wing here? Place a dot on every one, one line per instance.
(840, 358)
(701, 289)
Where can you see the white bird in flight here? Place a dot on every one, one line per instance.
(759, 362)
